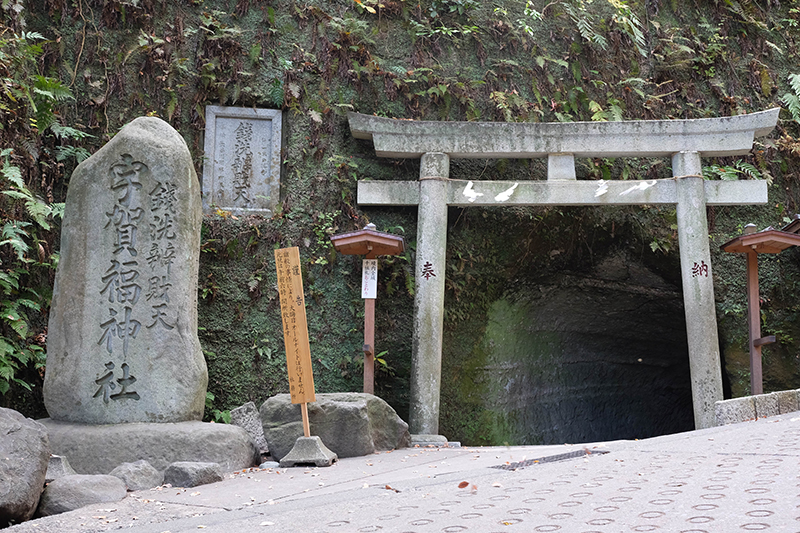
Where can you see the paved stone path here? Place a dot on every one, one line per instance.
(743, 477)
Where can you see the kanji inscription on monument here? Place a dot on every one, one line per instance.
(122, 343)
(295, 327)
(243, 160)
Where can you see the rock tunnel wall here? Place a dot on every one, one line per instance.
(581, 357)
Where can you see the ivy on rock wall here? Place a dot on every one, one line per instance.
(512, 60)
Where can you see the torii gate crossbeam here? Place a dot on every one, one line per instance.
(686, 141)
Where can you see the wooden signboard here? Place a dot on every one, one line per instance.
(295, 327)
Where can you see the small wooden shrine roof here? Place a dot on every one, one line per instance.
(368, 242)
(766, 241)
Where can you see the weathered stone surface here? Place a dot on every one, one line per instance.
(637, 138)
(242, 168)
(247, 418)
(57, 467)
(24, 451)
(350, 424)
(428, 440)
(122, 342)
(735, 410)
(73, 492)
(192, 474)
(139, 475)
(99, 449)
(564, 192)
(308, 451)
(787, 401)
(426, 344)
(766, 405)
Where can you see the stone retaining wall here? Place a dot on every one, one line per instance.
(754, 407)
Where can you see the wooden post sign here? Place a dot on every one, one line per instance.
(371, 243)
(295, 330)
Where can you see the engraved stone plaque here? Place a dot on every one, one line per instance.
(242, 168)
(122, 343)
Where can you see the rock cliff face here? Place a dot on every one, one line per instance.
(581, 357)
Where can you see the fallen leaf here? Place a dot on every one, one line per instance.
(463, 484)
(387, 487)
(195, 493)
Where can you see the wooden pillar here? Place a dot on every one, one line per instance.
(369, 345)
(754, 324)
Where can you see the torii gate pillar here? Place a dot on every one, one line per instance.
(698, 287)
(426, 358)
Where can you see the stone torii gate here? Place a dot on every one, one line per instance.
(685, 141)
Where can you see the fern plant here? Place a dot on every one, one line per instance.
(19, 343)
(732, 172)
(585, 19)
(29, 105)
(792, 100)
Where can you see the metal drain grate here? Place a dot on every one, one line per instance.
(548, 459)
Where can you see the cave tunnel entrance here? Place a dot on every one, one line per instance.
(589, 356)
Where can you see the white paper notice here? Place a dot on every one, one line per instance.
(369, 278)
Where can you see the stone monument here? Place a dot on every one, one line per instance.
(242, 171)
(126, 377)
(122, 340)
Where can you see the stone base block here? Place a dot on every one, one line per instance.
(787, 401)
(766, 405)
(735, 410)
(433, 441)
(422, 440)
(100, 449)
(307, 451)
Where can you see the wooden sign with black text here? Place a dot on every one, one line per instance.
(295, 327)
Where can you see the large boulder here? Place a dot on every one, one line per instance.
(122, 342)
(99, 449)
(24, 453)
(73, 492)
(350, 424)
